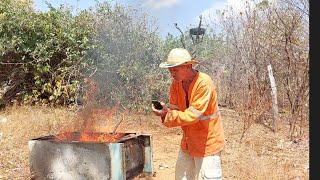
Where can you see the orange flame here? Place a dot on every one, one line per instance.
(88, 136)
(92, 124)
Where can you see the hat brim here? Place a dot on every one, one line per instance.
(167, 65)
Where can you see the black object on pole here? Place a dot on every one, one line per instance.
(197, 33)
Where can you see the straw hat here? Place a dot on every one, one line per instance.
(176, 57)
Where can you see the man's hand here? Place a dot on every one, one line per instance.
(162, 113)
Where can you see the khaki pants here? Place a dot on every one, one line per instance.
(198, 168)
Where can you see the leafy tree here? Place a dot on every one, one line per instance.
(42, 54)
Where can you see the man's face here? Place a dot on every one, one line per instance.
(179, 73)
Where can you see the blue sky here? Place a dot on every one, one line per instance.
(167, 12)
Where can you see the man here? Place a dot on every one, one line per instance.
(193, 105)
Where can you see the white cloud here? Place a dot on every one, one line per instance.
(157, 4)
(210, 14)
(238, 5)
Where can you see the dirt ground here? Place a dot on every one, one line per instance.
(260, 154)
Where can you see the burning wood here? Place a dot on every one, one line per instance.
(88, 136)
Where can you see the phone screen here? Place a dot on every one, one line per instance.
(157, 104)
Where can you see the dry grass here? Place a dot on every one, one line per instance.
(24, 123)
(260, 155)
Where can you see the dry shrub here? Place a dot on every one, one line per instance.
(262, 154)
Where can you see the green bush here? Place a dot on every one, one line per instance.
(42, 53)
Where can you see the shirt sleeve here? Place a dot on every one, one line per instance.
(198, 105)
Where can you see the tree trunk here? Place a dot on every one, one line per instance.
(274, 99)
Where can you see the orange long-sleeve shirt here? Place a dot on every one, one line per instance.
(201, 122)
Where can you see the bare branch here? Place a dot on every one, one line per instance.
(182, 35)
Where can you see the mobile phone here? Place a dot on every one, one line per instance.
(157, 104)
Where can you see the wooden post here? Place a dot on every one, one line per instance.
(274, 99)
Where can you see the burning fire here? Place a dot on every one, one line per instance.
(92, 124)
(88, 136)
